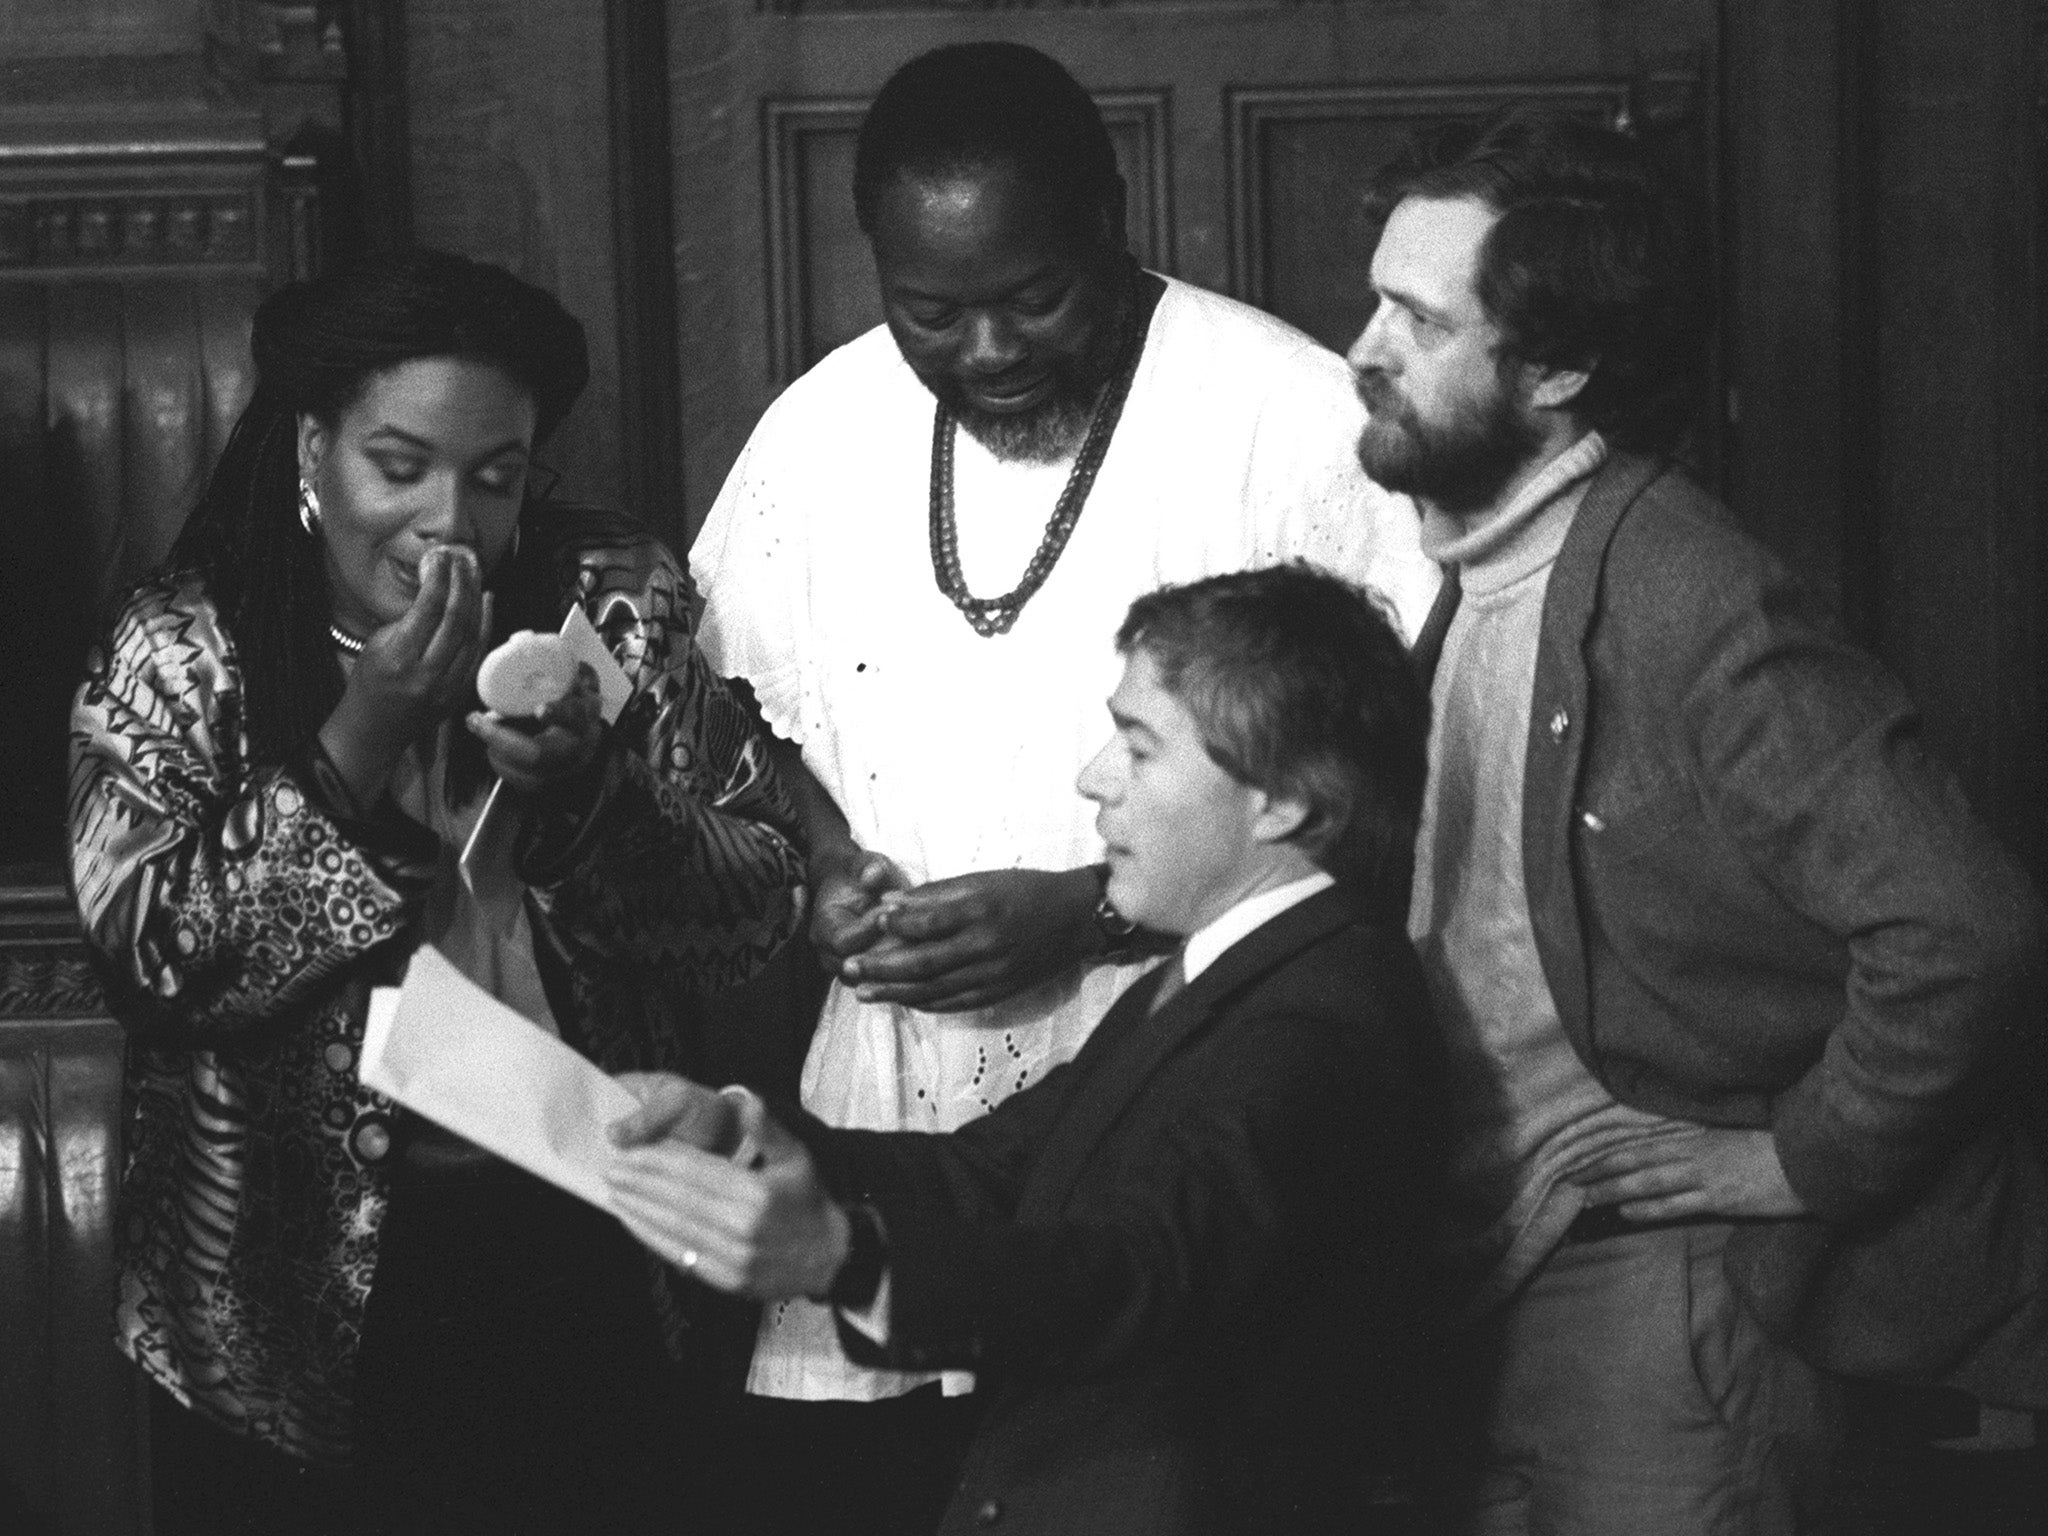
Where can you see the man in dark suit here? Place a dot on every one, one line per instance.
(1185, 1264)
(1728, 974)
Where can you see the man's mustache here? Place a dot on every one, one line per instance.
(1376, 391)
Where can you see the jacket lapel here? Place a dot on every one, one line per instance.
(1131, 1043)
(1428, 649)
(1557, 735)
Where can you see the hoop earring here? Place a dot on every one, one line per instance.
(309, 508)
(513, 552)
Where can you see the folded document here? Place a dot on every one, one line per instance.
(444, 1047)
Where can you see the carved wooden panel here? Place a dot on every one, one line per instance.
(40, 29)
(1300, 159)
(138, 226)
(72, 1411)
(821, 281)
(51, 983)
(769, 269)
(275, 40)
(818, 266)
(143, 213)
(43, 970)
(114, 167)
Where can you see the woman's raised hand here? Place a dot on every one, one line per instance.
(421, 668)
(559, 742)
(413, 673)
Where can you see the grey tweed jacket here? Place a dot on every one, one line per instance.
(1760, 902)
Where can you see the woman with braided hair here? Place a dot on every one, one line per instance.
(358, 1321)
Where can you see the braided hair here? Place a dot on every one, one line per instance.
(317, 345)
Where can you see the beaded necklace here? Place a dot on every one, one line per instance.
(349, 644)
(994, 615)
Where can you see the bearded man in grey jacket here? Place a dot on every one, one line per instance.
(1726, 968)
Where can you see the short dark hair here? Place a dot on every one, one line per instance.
(1301, 687)
(1597, 260)
(977, 106)
(317, 344)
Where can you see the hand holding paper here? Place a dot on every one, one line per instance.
(674, 1108)
(443, 1046)
(760, 1223)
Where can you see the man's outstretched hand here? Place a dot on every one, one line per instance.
(847, 892)
(974, 940)
(674, 1108)
(724, 1194)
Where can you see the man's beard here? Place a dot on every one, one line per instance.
(1460, 464)
(1045, 434)
(1053, 429)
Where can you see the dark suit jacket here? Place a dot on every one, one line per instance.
(1759, 902)
(1186, 1264)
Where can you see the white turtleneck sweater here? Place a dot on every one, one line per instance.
(1529, 1116)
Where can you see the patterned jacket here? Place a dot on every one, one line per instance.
(241, 915)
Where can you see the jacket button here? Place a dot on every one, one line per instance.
(989, 1513)
(1560, 722)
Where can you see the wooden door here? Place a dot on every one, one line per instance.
(1244, 127)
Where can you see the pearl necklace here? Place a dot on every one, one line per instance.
(348, 643)
(994, 615)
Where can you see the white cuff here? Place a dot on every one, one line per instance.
(872, 1320)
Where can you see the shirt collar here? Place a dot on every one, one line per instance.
(1206, 943)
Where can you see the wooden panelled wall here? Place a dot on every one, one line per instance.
(1875, 164)
(542, 140)
(1244, 129)
(1884, 344)
(163, 164)
(1294, 155)
(158, 159)
(1946, 417)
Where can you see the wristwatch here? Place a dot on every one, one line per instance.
(1117, 930)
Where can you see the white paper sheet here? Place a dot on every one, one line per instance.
(446, 1048)
(614, 688)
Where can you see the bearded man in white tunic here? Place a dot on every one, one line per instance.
(1039, 418)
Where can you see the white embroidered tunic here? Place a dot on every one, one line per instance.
(950, 752)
